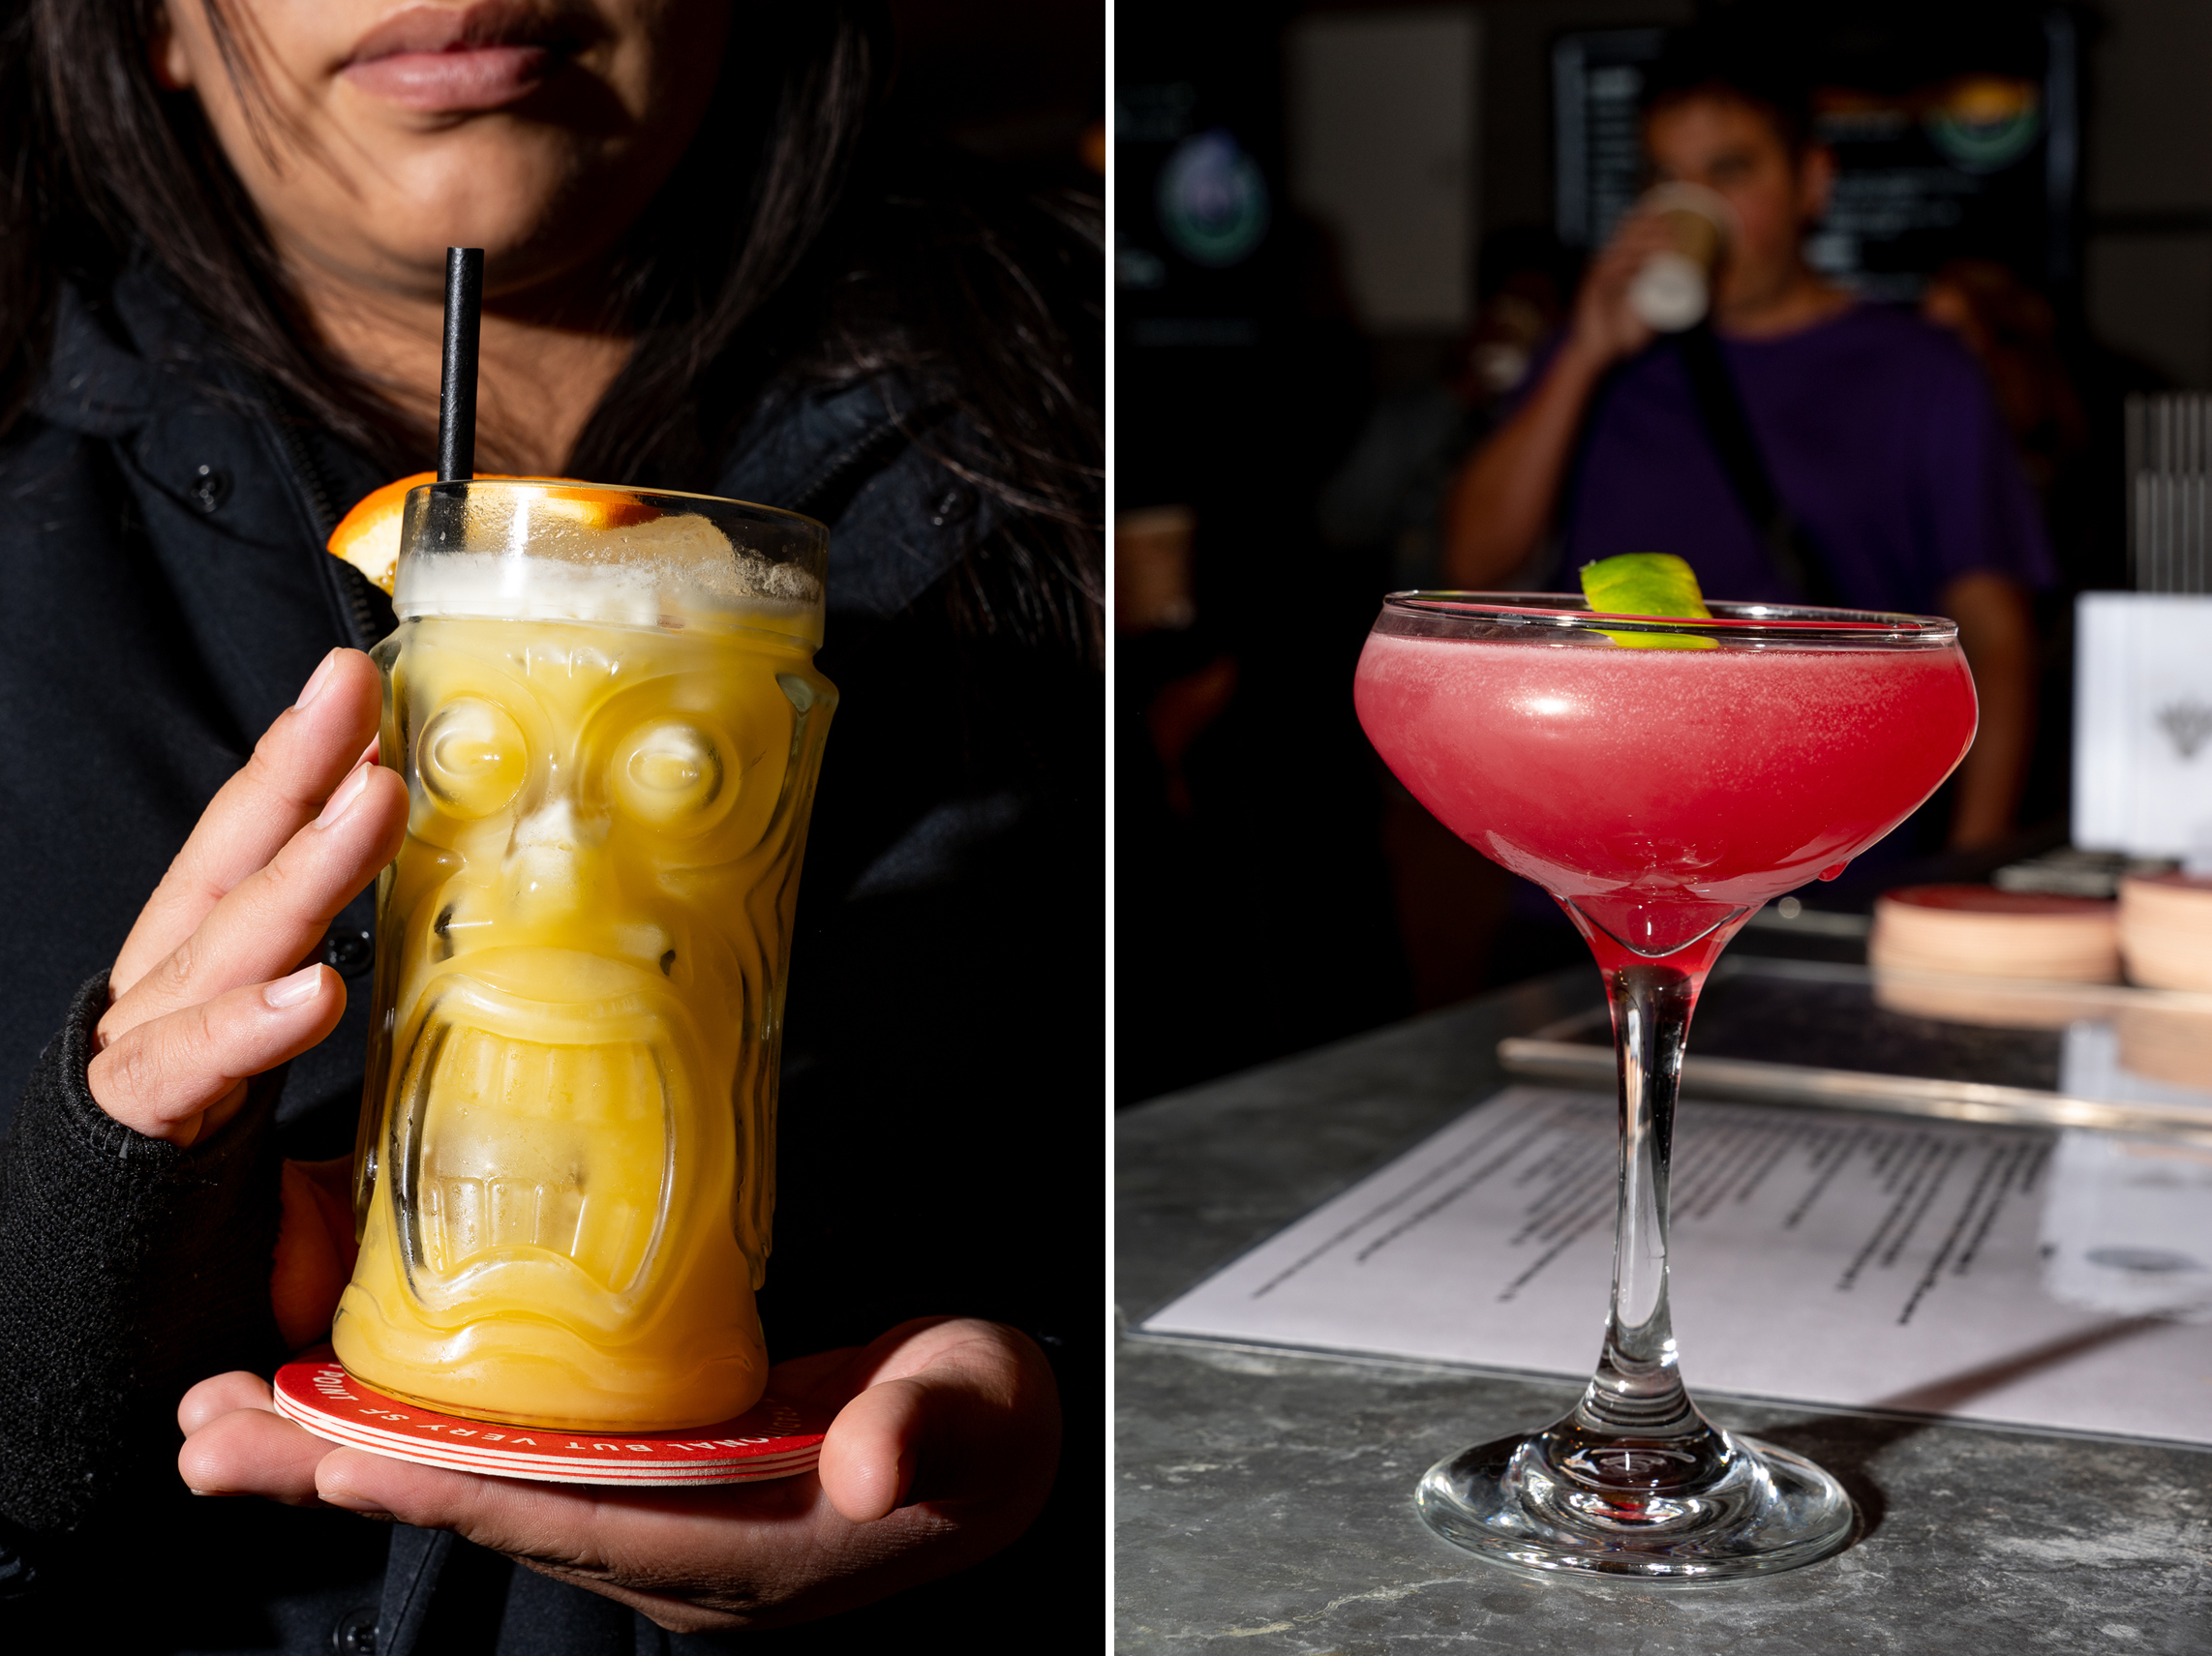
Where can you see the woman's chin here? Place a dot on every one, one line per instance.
(502, 193)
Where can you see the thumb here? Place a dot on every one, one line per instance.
(974, 1417)
(870, 1451)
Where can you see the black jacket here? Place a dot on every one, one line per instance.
(166, 595)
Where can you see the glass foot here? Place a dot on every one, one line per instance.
(1556, 1503)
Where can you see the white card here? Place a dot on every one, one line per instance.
(2142, 725)
(2060, 1281)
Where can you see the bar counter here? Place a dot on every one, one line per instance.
(1264, 1500)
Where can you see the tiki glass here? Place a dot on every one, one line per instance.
(605, 706)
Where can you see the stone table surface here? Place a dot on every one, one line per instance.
(1264, 1501)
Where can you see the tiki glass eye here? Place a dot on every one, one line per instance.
(471, 757)
(669, 775)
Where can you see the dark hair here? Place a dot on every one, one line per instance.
(1763, 63)
(784, 245)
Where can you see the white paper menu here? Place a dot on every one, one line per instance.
(2059, 1280)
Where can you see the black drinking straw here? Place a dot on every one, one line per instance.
(456, 385)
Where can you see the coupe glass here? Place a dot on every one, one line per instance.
(1662, 779)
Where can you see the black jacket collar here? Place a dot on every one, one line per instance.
(855, 453)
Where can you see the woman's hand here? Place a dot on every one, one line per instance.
(216, 982)
(941, 1453)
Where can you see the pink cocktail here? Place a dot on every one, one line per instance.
(1663, 792)
(1662, 779)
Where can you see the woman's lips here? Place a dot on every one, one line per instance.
(455, 81)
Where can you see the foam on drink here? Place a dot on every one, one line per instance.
(533, 560)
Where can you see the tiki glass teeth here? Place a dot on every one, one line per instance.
(605, 706)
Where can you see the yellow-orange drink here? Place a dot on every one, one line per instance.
(610, 739)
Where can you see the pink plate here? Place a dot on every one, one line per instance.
(772, 1440)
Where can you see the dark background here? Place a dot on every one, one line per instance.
(1274, 889)
(1016, 82)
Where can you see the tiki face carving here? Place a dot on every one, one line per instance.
(596, 810)
(583, 950)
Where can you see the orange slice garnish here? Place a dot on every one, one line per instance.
(368, 537)
(595, 508)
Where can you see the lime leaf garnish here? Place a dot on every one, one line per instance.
(1643, 584)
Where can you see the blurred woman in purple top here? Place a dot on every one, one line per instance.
(1877, 429)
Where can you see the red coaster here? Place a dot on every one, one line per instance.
(772, 1440)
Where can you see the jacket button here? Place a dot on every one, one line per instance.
(954, 506)
(209, 488)
(356, 1634)
(347, 952)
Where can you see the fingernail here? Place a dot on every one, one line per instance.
(290, 991)
(316, 679)
(354, 1504)
(348, 791)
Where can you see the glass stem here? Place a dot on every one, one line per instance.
(1636, 1391)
